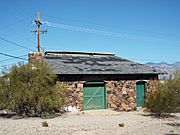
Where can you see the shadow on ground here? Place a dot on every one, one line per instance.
(164, 116)
(172, 134)
(13, 115)
(175, 124)
(8, 115)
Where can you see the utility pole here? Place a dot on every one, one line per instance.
(38, 31)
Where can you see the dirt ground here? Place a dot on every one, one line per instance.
(99, 122)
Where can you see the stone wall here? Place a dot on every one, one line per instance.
(75, 94)
(121, 95)
(152, 86)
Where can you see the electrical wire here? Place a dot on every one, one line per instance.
(100, 32)
(11, 58)
(13, 4)
(14, 23)
(21, 35)
(8, 55)
(15, 44)
(110, 26)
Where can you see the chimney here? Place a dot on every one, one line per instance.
(35, 56)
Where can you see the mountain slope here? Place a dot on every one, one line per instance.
(166, 68)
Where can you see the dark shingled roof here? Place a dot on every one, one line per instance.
(93, 63)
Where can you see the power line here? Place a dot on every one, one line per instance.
(20, 34)
(8, 55)
(13, 4)
(14, 23)
(101, 32)
(114, 27)
(11, 58)
(15, 44)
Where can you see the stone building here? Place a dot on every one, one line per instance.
(102, 80)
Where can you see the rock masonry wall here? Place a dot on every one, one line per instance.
(121, 95)
(75, 94)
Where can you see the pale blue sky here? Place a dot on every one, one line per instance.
(139, 30)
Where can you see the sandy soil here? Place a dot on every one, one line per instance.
(100, 122)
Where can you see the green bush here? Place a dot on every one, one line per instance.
(31, 90)
(166, 99)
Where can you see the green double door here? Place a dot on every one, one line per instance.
(94, 95)
(140, 93)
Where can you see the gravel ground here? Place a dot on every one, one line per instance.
(99, 122)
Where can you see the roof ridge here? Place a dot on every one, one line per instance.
(78, 53)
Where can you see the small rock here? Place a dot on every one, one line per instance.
(171, 131)
(121, 124)
(45, 124)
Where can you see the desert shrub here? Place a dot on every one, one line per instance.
(31, 90)
(177, 89)
(166, 99)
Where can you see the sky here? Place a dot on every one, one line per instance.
(141, 31)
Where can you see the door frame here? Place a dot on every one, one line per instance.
(145, 90)
(91, 83)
